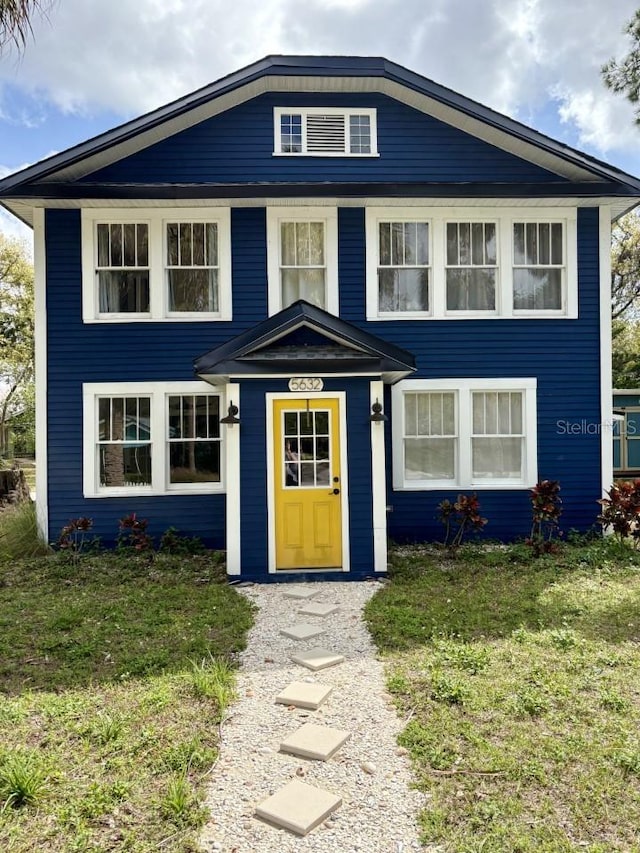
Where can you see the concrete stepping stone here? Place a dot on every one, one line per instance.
(317, 742)
(302, 631)
(314, 608)
(317, 658)
(298, 807)
(300, 594)
(304, 695)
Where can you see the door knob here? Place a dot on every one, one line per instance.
(335, 492)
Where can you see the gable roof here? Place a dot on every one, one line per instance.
(340, 347)
(357, 74)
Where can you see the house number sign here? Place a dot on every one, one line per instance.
(306, 383)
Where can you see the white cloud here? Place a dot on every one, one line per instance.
(514, 55)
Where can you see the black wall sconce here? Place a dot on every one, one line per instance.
(378, 416)
(231, 416)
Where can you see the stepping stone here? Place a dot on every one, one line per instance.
(318, 742)
(302, 631)
(304, 695)
(317, 658)
(300, 594)
(298, 807)
(316, 609)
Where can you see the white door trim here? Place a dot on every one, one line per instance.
(378, 484)
(341, 396)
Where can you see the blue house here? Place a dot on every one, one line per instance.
(293, 311)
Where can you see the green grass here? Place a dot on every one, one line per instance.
(107, 727)
(19, 536)
(521, 682)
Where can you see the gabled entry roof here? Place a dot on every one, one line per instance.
(304, 340)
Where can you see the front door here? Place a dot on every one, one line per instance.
(307, 487)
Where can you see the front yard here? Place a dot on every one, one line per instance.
(519, 680)
(112, 684)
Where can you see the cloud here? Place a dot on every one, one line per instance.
(513, 55)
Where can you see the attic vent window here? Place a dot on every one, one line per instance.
(325, 132)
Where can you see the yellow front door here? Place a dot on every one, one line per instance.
(307, 488)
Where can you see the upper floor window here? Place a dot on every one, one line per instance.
(470, 263)
(325, 131)
(302, 257)
(165, 265)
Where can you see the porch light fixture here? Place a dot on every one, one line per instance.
(378, 415)
(232, 415)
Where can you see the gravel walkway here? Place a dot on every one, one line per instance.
(370, 772)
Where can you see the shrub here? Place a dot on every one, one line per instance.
(73, 537)
(459, 518)
(546, 509)
(22, 780)
(173, 542)
(621, 509)
(132, 534)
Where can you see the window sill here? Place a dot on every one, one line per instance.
(323, 154)
(476, 487)
(150, 492)
(182, 317)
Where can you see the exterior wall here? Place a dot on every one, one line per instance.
(238, 146)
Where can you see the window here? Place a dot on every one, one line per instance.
(124, 442)
(151, 437)
(122, 267)
(194, 438)
(471, 266)
(538, 266)
(306, 456)
(325, 132)
(162, 266)
(403, 267)
(441, 263)
(302, 257)
(464, 433)
(192, 266)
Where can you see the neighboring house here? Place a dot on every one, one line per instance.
(400, 295)
(626, 434)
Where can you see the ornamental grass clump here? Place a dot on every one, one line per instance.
(460, 518)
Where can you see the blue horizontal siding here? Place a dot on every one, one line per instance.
(562, 354)
(237, 146)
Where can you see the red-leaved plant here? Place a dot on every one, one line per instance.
(546, 509)
(132, 533)
(621, 510)
(460, 518)
(73, 536)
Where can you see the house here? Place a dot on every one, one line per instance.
(293, 311)
(626, 433)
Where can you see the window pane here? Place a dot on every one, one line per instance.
(131, 423)
(291, 423)
(531, 243)
(403, 290)
(430, 458)
(397, 243)
(186, 257)
(556, 243)
(322, 423)
(115, 235)
(104, 419)
(477, 244)
(117, 419)
(198, 244)
(175, 417)
(193, 290)
(518, 243)
(288, 243)
(384, 229)
(214, 416)
(104, 257)
(194, 462)
(142, 237)
(504, 413)
(315, 252)
(517, 427)
(410, 243)
(303, 284)
(211, 254)
(130, 245)
(464, 243)
(471, 289)
(411, 414)
(360, 134)
(122, 292)
(172, 244)
(428, 419)
(491, 249)
(537, 289)
(497, 458)
(544, 232)
(478, 414)
(449, 414)
(124, 465)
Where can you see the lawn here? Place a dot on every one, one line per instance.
(519, 681)
(114, 676)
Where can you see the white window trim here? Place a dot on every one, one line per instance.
(159, 392)
(327, 215)
(463, 389)
(504, 217)
(157, 220)
(305, 111)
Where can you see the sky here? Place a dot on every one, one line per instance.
(93, 64)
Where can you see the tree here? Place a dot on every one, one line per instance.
(16, 332)
(623, 76)
(625, 268)
(15, 20)
(626, 354)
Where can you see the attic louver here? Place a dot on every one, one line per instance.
(326, 133)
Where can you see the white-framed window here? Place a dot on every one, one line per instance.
(403, 266)
(471, 266)
(482, 263)
(464, 434)
(152, 438)
(158, 265)
(302, 257)
(325, 132)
